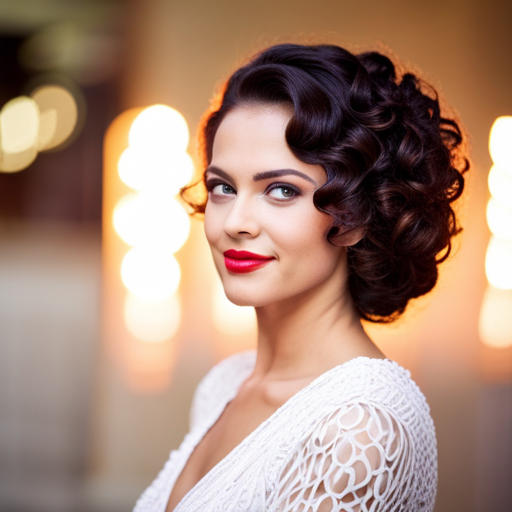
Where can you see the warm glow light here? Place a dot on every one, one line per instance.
(151, 220)
(499, 219)
(151, 275)
(500, 143)
(29, 125)
(19, 124)
(59, 115)
(13, 162)
(158, 169)
(495, 325)
(498, 263)
(141, 299)
(500, 185)
(159, 126)
(152, 321)
(19, 128)
(47, 128)
(229, 318)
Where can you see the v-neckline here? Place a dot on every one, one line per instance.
(229, 398)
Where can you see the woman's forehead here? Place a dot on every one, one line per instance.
(251, 139)
(248, 133)
(262, 123)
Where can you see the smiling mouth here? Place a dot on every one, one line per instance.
(243, 262)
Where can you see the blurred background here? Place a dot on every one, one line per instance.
(98, 358)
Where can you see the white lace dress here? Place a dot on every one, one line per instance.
(358, 438)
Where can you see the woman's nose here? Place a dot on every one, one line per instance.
(242, 218)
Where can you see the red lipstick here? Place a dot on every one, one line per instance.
(242, 262)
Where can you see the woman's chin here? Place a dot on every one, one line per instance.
(243, 298)
(243, 301)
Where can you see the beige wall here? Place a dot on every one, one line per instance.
(49, 323)
(177, 52)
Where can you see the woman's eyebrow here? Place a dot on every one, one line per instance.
(282, 172)
(263, 175)
(219, 172)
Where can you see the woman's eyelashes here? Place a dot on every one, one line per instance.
(277, 191)
(219, 188)
(282, 191)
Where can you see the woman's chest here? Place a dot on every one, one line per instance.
(252, 446)
(239, 419)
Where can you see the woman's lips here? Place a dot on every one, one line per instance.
(242, 262)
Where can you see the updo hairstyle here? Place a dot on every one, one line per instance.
(394, 165)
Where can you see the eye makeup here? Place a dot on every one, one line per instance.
(295, 192)
(289, 191)
(213, 182)
(259, 176)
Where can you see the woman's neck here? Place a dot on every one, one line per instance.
(307, 335)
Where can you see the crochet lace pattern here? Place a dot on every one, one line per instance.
(359, 438)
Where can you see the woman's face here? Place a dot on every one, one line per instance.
(268, 240)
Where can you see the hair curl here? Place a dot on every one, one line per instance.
(394, 165)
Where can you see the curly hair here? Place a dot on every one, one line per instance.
(394, 164)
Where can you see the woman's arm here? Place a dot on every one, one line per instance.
(357, 455)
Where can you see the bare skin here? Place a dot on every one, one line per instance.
(307, 323)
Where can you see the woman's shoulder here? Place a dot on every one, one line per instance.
(235, 363)
(380, 382)
(220, 384)
(229, 372)
(371, 372)
(367, 424)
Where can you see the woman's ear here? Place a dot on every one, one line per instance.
(346, 238)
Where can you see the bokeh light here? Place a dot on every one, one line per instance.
(495, 325)
(158, 169)
(160, 127)
(71, 48)
(149, 274)
(28, 125)
(229, 318)
(47, 128)
(19, 129)
(19, 124)
(13, 162)
(143, 228)
(59, 107)
(500, 185)
(500, 143)
(152, 321)
(151, 220)
(498, 263)
(499, 219)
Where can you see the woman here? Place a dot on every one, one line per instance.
(330, 183)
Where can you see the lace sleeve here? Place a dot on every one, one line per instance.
(356, 459)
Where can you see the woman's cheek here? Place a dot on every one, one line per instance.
(211, 225)
(299, 233)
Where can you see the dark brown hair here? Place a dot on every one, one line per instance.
(394, 164)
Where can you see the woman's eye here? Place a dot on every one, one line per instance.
(222, 189)
(283, 192)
